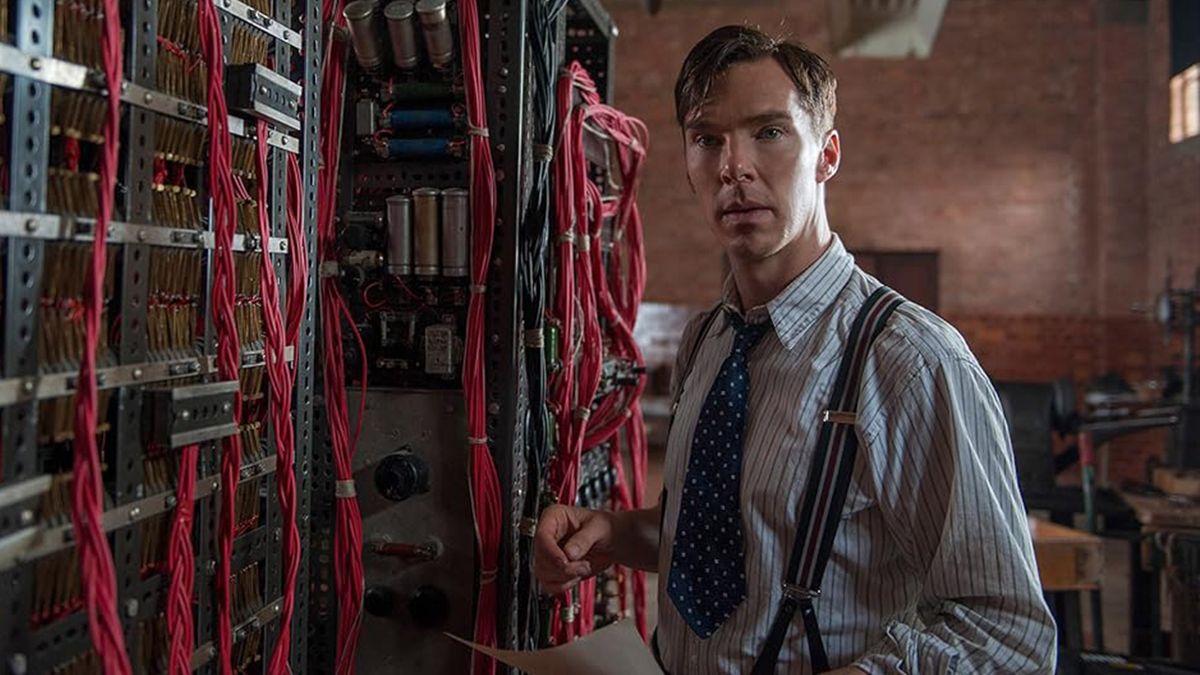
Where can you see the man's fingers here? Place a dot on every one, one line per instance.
(582, 541)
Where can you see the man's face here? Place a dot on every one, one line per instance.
(756, 162)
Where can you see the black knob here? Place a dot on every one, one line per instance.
(379, 601)
(429, 607)
(401, 475)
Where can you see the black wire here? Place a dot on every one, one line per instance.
(534, 241)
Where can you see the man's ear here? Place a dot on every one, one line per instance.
(831, 157)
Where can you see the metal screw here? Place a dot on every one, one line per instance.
(185, 415)
(226, 407)
(31, 225)
(17, 664)
(275, 607)
(134, 513)
(26, 516)
(216, 485)
(141, 235)
(35, 63)
(502, 89)
(503, 71)
(170, 501)
(131, 607)
(27, 386)
(137, 373)
(148, 98)
(287, 34)
(263, 90)
(212, 651)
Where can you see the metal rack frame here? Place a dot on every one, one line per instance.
(26, 228)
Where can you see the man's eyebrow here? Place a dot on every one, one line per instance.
(752, 120)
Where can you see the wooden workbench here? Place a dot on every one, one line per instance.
(1067, 559)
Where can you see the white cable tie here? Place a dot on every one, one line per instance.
(535, 338)
(567, 237)
(473, 130)
(582, 413)
(543, 152)
(477, 440)
(585, 243)
(344, 489)
(478, 289)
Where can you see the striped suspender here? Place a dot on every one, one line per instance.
(825, 492)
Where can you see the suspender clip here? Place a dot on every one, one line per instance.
(796, 592)
(839, 417)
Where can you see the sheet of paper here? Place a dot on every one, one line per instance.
(616, 649)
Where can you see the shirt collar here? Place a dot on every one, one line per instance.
(799, 305)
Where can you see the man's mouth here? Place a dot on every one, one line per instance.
(744, 215)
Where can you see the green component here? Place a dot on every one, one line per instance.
(551, 349)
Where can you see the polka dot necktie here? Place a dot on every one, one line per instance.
(707, 579)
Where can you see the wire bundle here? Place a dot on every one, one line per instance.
(96, 564)
(348, 571)
(281, 383)
(485, 484)
(224, 214)
(181, 562)
(535, 231)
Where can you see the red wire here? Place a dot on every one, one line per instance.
(281, 383)
(97, 573)
(181, 563)
(486, 498)
(348, 574)
(297, 254)
(224, 301)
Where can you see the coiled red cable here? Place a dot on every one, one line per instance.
(224, 215)
(484, 483)
(97, 573)
(281, 383)
(181, 563)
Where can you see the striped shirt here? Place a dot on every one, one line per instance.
(932, 569)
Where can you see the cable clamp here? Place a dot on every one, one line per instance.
(329, 268)
(477, 440)
(543, 152)
(567, 237)
(478, 289)
(344, 489)
(535, 338)
(473, 130)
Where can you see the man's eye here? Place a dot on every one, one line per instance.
(771, 133)
(705, 140)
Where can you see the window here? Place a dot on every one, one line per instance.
(1185, 70)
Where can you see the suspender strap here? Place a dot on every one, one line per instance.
(825, 492)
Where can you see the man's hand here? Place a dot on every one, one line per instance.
(571, 544)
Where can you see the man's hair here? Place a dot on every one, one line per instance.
(729, 45)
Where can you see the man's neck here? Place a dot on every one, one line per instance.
(759, 281)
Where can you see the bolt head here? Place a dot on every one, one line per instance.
(27, 516)
(131, 607)
(27, 386)
(137, 373)
(135, 512)
(35, 63)
(148, 98)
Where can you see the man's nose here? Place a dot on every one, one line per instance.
(736, 164)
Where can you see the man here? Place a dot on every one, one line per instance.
(931, 569)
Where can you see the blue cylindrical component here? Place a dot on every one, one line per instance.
(406, 148)
(405, 120)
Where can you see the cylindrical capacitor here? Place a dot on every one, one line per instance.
(426, 234)
(360, 18)
(402, 30)
(409, 119)
(400, 235)
(455, 246)
(439, 41)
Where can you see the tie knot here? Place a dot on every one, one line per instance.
(746, 335)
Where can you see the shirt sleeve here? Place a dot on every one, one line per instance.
(946, 485)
